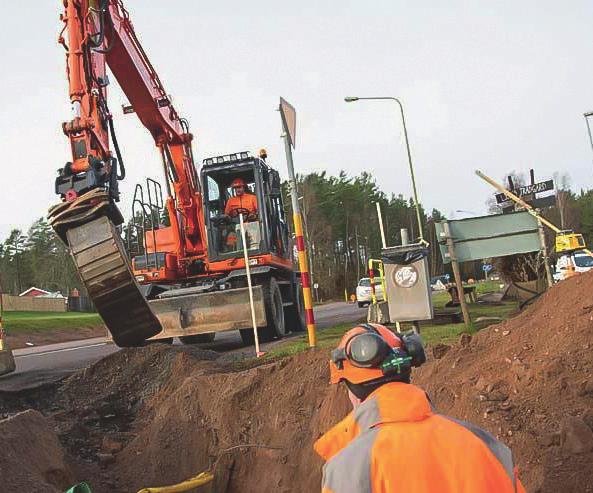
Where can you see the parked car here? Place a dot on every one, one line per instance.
(582, 262)
(363, 291)
(439, 283)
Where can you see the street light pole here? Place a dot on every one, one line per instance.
(587, 115)
(351, 99)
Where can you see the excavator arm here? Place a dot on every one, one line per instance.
(98, 34)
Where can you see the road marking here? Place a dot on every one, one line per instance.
(61, 350)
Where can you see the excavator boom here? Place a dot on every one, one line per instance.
(98, 34)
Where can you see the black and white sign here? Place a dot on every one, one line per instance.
(542, 186)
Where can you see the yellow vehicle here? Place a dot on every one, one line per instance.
(567, 240)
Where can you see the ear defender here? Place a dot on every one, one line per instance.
(367, 350)
(370, 350)
(415, 348)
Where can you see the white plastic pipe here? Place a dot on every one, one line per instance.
(381, 224)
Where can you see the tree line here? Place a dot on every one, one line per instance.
(36, 258)
(340, 222)
(342, 227)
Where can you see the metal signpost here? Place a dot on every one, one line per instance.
(587, 115)
(288, 115)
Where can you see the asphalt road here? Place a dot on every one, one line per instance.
(45, 364)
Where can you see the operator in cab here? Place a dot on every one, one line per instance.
(243, 202)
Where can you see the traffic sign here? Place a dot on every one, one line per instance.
(487, 267)
(288, 120)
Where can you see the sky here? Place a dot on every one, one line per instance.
(496, 86)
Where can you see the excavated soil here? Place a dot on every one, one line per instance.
(157, 415)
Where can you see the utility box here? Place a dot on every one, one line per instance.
(407, 279)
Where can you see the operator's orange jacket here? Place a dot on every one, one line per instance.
(394, 442)
(246, 201)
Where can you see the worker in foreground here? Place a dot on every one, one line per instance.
(394, 441)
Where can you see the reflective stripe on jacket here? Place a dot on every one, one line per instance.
(394, 442)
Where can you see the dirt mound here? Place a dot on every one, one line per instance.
(157, 415)
(31, 458)
(529, 381)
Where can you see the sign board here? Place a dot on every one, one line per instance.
(483, 237)
(409, 295)
(316, 286)
(487, 267)
(542, 186)
(288, 120)
(549, 201)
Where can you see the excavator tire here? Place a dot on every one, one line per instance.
(294, 315)
(276, 327)
(101, 261)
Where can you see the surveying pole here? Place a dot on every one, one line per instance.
(288, 115)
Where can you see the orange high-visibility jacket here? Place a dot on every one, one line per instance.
(246, 201)
(394, 442)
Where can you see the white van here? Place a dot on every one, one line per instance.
(582, 262)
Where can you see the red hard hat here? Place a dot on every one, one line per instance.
(344, 369)
(238, 182)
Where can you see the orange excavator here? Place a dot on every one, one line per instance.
(187, 277)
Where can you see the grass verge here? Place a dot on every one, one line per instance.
(15, 322)
(431, 333)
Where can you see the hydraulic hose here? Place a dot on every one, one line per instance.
(117, 150)
(189, 484)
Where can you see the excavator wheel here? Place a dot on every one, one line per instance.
(276, 328)
(198, 338)
(294, 315)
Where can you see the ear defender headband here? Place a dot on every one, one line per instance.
(370, 350)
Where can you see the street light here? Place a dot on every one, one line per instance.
(587, 115)
(351, 99)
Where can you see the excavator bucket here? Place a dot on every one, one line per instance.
(201, 313)
(102, 263)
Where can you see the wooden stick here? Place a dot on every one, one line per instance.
(458, 281)
(250, 288)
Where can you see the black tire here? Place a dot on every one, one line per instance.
(294, 315)
(247, 336)
(198, 338)
(276, 329)
(360, 304)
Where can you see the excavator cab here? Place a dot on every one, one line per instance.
(260, 204)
